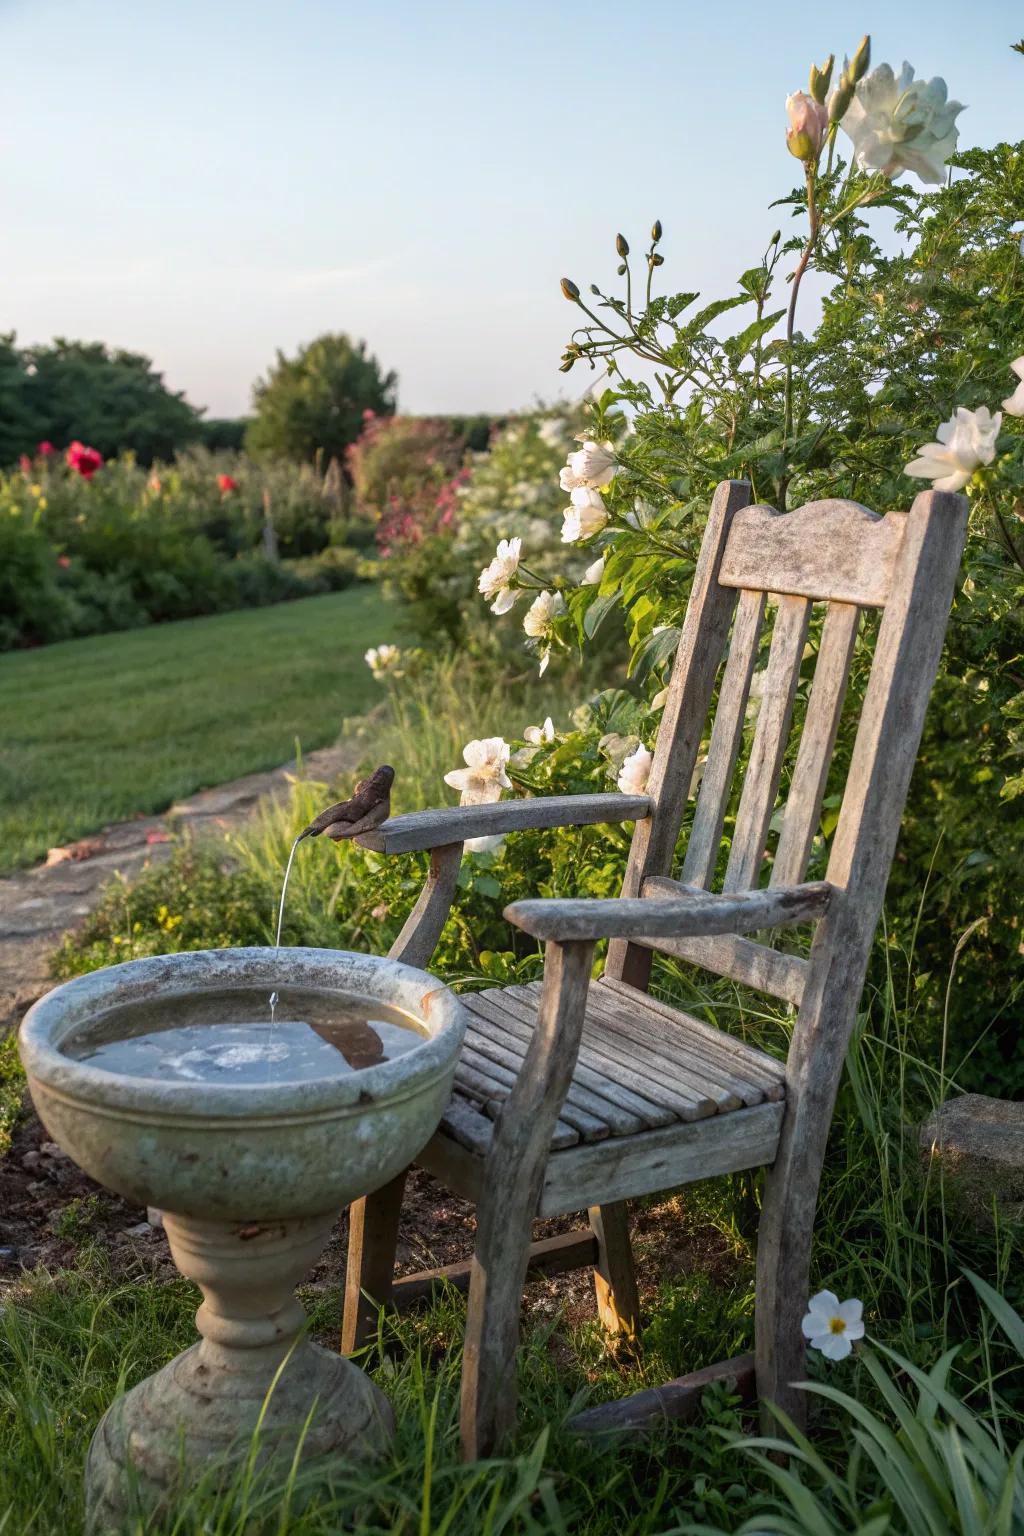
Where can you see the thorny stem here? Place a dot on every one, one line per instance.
(814, 225)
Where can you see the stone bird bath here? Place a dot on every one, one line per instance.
(251, 1177)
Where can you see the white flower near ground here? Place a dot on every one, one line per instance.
(537, 735)
(382, 659)
(635, 771)
(901, 124)
(586, 515)
(593, 573)
(965, 441)
(589, 468)
(483, 778)
(495, 578)
(1013, 405)
(540, 617)
(832, 1325)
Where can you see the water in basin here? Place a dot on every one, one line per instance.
(235, 1035)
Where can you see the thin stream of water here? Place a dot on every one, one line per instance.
(277, 941)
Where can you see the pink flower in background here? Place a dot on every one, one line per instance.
(45, 449)
(85, 460)
(25, 464)
(63, 561)
(227, 484)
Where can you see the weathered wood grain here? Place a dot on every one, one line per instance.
(513, 1178)
(817, 741)
(726, 735)
(422, 928)
(458, 823)
(749, 1062)
(702, 641)
(905, 663)
(771, 734)
(626, 1419)
(683, 914)
(370, 1268)
(618, 1300)
(628, 1166)
(753, 965)
(830, 549)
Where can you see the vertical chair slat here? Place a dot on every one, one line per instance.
(761, 780)
(806, 792)
(726, 735)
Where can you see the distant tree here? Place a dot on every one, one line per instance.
(219, 432)
(315, 402)
(110, 399)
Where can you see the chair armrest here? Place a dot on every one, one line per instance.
(458, 823)
(668, 910)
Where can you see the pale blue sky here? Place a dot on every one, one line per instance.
(207, 180)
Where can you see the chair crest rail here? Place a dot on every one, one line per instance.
(457, 823)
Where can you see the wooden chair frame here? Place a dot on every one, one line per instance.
(832, 551)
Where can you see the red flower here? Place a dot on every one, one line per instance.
(227, 484)
(25, 464)
(63, 561)
(45, 448)
(86, 460)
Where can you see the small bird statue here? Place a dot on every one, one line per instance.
(369, 806)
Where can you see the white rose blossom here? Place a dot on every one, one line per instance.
(1013, 405)
(541, 615)
(901, 124)
(832, 1325)
(538, 735)
(495, 578)
(484, 777)
(965, 441)
(593, 573)
(590, 468)
(382, 659)
(635, 771)
(586, 516)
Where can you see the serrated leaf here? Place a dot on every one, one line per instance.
(743, 343)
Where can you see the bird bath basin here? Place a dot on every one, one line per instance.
(165, 1080)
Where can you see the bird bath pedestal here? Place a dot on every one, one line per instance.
(251, 1178)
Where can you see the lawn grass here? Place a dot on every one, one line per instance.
(101, 729)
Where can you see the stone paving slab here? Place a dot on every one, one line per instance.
(38, 906)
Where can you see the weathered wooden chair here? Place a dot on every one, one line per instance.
(574, 1094)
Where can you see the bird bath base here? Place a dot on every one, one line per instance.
(252, 1394)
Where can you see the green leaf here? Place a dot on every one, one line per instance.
(598, 612)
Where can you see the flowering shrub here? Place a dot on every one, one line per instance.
(88, 545)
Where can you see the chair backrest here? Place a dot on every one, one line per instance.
(840, 554)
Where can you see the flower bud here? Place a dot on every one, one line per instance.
(570, 290)
(808, 122)
(776, 237)
(595, 290)
(656, 260)
(656, 231)
(840, 99)
(861, 61)
(621, 270)
(821, 79)
(622, 246)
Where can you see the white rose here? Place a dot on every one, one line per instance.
(966, 440)
(635, 771)
(484, 777)
(542, 613)
(590, 467)
(537, 735)
(382, 659)
(593, 573)
(1013, 405)
(586, 515)
(495, 578)
(901, 124)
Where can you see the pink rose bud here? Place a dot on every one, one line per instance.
(808, 124)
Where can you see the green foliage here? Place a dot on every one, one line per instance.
(133, 546)
(315, 402)
(111, 399)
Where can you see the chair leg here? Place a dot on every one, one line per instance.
(370, 1272)
(780, 1299)
(489, 1394)
(618, 1302)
